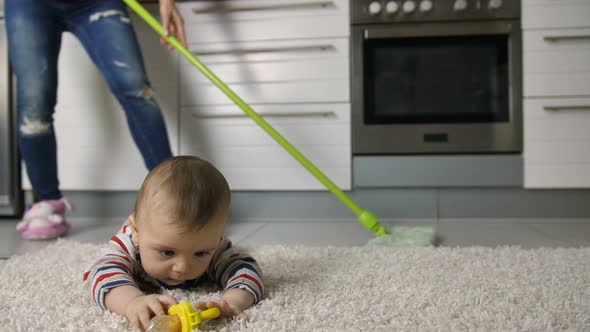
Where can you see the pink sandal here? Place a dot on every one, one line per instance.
(45, 220)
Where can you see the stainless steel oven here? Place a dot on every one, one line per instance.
(436, 76)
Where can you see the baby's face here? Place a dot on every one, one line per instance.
(173, 256)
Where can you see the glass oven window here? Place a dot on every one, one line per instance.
(436, 80)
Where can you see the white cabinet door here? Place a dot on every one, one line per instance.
(557, 142)
(250, 20)
(232, 11)
(95, 148)
(556, 62)
(290, 61)
(310, 71)
(252, 160)
(546, 14)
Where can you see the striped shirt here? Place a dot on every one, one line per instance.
(120, 264)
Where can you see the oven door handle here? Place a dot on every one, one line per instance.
(436, 30)
(557, 38)
(233, 9)
(566, 107)
(323, 114)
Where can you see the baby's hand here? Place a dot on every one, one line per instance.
(142, 308)
(232, 303)
(227, 309)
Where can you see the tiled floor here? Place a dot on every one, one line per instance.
(527, 233)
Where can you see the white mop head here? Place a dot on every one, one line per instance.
(406, 236)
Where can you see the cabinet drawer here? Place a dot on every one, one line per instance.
(320, 124)
(272, 72)
(235, 144)
(557, 142)
(556, 62)
(270, 29)
(228, 12)
(261, 72)
(230, 21)
(557, 120)
(549, 107)
(539, 14)
(271, 61)
(270, 51)
(331, 91)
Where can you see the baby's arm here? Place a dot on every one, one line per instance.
(114, 269)
(138, 307)
(239, 275)
(110, 282)
(118, 298)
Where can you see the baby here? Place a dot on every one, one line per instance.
(174, 240)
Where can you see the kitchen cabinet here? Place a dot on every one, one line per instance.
(556, 60)
(251, 159)
(290, 61)
(95, 148)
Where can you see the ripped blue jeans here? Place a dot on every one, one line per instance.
(34, 29)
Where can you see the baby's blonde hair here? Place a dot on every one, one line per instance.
(191, 190)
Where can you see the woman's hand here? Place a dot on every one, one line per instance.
(172, 22)
(143, 308)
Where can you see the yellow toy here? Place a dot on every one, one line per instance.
(182, 317)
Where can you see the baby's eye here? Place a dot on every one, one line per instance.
(168, 253)
(201, 254)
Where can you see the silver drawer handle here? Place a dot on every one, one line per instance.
(229, 9)
(565, 37)
(566, 107)
(320, 48)
(323, 114)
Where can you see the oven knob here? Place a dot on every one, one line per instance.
(460, 5)
(375, 8)
(426, 6)
(391, 7)
(409, 6)
(495, 4)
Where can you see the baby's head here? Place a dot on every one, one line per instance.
(179, 217)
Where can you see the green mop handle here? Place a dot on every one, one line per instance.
(365, 217)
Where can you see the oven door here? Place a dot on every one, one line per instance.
(437, 88)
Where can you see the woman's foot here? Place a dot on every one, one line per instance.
(45, 220)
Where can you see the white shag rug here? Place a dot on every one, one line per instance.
(337, 289)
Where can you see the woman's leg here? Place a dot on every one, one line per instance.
(34, 37)
(105, 30)
(34, 31)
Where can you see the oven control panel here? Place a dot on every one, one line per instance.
(383, 11)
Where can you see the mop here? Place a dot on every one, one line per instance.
(398, 236)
